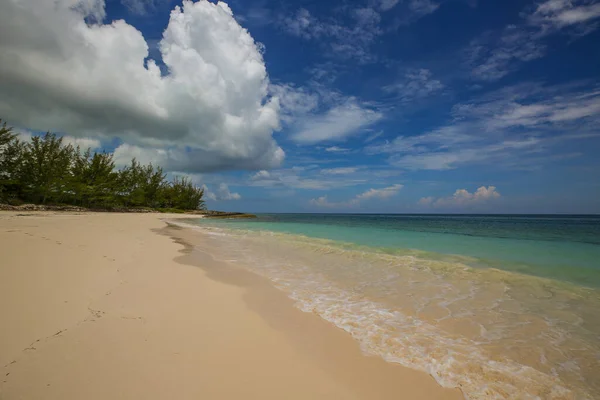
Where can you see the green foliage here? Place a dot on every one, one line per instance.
(45, 170)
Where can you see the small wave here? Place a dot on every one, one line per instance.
(495, 334)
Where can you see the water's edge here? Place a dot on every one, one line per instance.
(466, 327)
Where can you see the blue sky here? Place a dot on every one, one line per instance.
(339, 106)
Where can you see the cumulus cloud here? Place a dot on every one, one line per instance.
(222, 193)
(212, 110)
(322, 202)
(384, 193)
(462, 198)
(379, 193)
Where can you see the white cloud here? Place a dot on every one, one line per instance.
(336, 149)
(337, 123)
(310, 178)
(208, 194)
(295, 102)
(384, 193)
(339, 171)
(422, 7)
(93, 9)
(142, 7)
(557, 14)
(516, 127)
(463, 198)
(386, 5)
(426, 201)
(222, 193)
(411, 9)
(212, 111)
(379, 193)
(415, 85)
(366, 16)
(261, 175)
(344, 41)
(495, 55)
(373, 136)
(316, 113)
(25, 135)
(83, 143)
(322, 202)
(287, 178)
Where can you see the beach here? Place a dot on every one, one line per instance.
(106, 305)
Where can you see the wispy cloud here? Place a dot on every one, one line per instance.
(339, 171)
(552, 15)
(352, 31)
(383, 193)
(415, 84)
(343, 40)
(515, 127)
(336, 149)
(295, 101)
(496, 54)
(408, 10)
(316, 114)
(336, 124)
(143, 7)
(302, 178)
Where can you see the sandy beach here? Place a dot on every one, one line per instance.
(97, 306)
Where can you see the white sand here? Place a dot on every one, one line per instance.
(95, 306)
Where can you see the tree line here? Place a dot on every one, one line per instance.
(45, 170)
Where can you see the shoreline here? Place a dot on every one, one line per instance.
(110, 305)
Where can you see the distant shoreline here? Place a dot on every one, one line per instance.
(139, 210)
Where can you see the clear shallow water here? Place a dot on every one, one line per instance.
(503, 307)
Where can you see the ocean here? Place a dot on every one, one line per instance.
(504, 307)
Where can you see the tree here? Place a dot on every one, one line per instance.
(182, 194)
(93, 179)
(11, 156)
(45, 170)
(6, 134)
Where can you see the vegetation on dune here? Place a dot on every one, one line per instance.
(44, 170)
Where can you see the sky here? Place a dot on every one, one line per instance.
(376, 106)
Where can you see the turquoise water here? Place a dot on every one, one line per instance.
(560, 247)
(504, 307)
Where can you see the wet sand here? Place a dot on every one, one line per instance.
(101, 306)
